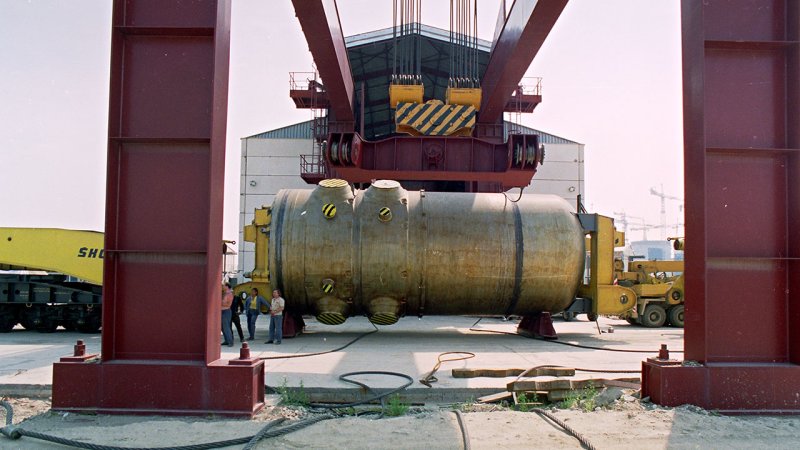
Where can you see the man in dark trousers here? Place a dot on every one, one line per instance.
(237, 307)
(276, 318)
(227, 301)
(253, 306)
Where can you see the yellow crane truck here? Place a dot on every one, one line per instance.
(648, 293)
(659, 288)
(50, 277)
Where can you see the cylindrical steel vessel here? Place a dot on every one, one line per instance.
(387, 252)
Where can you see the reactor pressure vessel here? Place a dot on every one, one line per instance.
(386, 252)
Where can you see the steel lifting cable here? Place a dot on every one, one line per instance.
(463, 425)
(582, 439)
(475, 46)
(430, 378)
(394, 41)
(419, 41)
(452, 47)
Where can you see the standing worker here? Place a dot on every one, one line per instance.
(237, 307)
(227, 301)
(276, 318)
(253, 306)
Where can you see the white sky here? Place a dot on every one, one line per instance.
(612, 81)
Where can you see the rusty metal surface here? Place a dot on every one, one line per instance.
(524, 31)
(323, 30)
(440, 253)
(742, 142)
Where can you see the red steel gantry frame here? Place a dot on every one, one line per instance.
(741, 105)
(164, 216)
(163, 267)
(484, 160)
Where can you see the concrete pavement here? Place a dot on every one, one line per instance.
(411, 347)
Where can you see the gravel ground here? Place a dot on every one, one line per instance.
(626, 423)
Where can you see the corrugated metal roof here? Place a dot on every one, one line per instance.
(302, 130)
(424, 30)
(544, 138)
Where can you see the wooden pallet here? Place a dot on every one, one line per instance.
(553, 389)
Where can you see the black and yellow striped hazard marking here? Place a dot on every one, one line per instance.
(434, 118)
(385, 214)
(383, 319)
(329, 210)
(327, 287)
(331, 318)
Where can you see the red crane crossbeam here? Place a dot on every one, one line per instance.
(323, 30)
(521, 36)
(501, 165)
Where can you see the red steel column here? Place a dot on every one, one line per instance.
(164, 200)
(742, 168)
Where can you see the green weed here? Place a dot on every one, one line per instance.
(465, 406)
(395, 407)
(583, 398)
(292, 396)
(525, 403)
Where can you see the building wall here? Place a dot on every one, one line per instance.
(269, 165)
(561, 174)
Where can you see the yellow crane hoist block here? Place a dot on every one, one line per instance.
(464, 96)
(405, 93)
(434, 118)
(70, 252)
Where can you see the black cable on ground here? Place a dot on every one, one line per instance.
(464, 432)
(582, 439)
(345, 377)
(263, 434)
(588, 347)
(338, 349)
(14, 432)
(260, 435)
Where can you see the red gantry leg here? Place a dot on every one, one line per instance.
(164, 198)
(742, 166)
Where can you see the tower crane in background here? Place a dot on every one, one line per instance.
(643, 228)
(623, 219)
(664, 198)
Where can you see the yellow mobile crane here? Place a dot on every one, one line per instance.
(50, 277)
(648, 293)
(659, 288)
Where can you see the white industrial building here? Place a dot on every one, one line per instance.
(271, 162)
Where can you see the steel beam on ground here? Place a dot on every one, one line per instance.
(164, 198)
(323, 30)
(517, 41)
(741, 78)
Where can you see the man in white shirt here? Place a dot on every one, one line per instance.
(276, 318)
